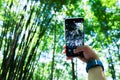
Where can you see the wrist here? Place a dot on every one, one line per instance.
(94, 63)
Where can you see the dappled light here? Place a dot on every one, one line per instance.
(32, 35)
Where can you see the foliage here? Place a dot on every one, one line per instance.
(32, 36)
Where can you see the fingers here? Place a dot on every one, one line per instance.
(87, 52)
(79, 49)
(64, 51)
(68, 58)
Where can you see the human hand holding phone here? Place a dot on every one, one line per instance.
(88, 53)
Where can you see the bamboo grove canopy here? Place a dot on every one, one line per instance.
(32, 36)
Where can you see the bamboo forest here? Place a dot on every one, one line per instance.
(32, 35)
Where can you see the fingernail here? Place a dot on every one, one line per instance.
(64, 52)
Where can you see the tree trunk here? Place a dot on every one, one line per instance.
(73, 70)
(52, 66)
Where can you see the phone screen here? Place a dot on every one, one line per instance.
(74, 35)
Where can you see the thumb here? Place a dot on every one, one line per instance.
(79, 49)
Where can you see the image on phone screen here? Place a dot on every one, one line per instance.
(74, 35)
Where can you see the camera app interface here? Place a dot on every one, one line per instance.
(74, 36)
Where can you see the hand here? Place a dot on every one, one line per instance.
(88, 53)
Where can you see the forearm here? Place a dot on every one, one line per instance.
(96, 73)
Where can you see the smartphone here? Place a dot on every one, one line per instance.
(74, 35)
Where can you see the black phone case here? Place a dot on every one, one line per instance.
(69, 49)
